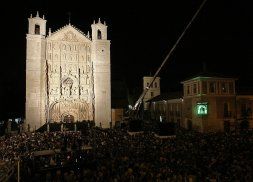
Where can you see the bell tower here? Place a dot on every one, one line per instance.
(35, 72)
(37, 25)
(102, 74)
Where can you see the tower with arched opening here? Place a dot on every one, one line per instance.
(67, 74)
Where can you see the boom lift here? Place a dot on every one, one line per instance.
(134, 112)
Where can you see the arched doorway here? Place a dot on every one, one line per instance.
(68, 118)
(226, 126)
(78, 111)
(189, 124)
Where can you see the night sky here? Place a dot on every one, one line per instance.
(141, 35)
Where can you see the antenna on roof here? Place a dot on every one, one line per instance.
(69, 14)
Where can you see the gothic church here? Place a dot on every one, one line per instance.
(68, 75)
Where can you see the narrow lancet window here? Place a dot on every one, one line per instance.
(99, 34)
(37, 29)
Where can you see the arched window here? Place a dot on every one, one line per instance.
(152, 94)
(37, 29)
(204, 87)
(188, 89)
(155, 85)
(99, 34)
(195, 88)
(212, 87)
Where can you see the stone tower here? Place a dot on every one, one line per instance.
(154, 89)
(68, 76)
(35, 60)
(102, 74)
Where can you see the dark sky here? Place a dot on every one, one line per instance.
(141, 35)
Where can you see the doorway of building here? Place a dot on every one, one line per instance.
(68, 119)
(189, 124)
(226, 126)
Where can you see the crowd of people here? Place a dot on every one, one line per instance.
(96, 154)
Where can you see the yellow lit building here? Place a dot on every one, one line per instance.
(209, 103)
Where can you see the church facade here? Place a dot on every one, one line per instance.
(68, 76)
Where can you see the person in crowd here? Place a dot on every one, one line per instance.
(97, 154)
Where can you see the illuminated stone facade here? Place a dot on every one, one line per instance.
(67, 75)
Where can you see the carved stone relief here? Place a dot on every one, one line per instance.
(69, 79)
(79, 110)
(70, 36)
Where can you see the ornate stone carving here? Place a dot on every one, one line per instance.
(68, 82)
(65, 87)
(56, 56)
(69, 78)
(75, 91)
(55, 46)
(79, 110)
(70, 36)
(88, 80)
(54, 91)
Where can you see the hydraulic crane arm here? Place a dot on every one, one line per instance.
(138, 103)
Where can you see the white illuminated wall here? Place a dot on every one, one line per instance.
(67, 73)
